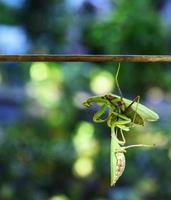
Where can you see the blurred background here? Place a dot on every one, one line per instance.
(49, 147)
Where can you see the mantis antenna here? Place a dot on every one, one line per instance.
(137, 99)
(117, 83)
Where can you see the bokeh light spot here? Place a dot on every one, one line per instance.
(155, 94)
(87, 128)
(83, 167)
(102, 83)
(45, 84)
(59, 197)
(79, 98)
(84, 141)
(39, 71)
(47, 93)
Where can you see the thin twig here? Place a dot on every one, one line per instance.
(84, 58)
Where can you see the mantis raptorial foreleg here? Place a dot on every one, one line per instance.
(119, 120)
(120, 124)
(99, 113)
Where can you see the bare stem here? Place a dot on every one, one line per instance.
(83, 58)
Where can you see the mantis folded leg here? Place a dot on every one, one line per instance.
(119, 120)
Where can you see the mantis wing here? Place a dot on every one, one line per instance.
(143, 111)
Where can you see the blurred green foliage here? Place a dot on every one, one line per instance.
(133, 28)
(49, 147)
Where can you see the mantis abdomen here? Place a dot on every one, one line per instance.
(120, 166)
(117, 158)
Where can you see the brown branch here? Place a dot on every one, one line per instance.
(84, 58)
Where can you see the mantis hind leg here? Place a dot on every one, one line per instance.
(135, 100)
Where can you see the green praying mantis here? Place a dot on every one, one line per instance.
(117, 159)
(122, 115)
